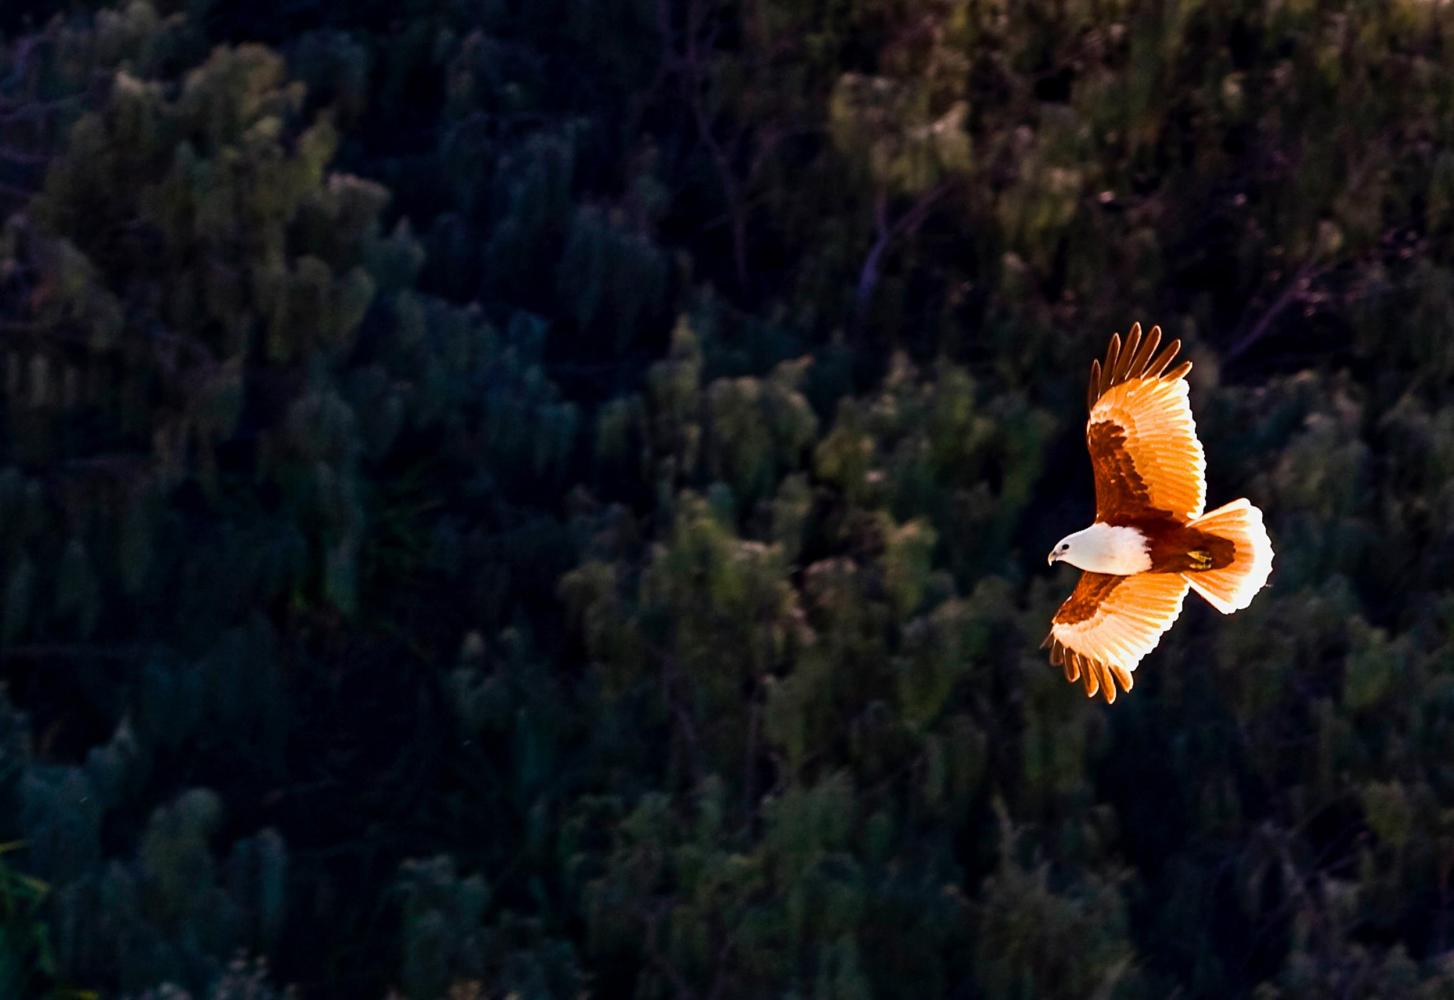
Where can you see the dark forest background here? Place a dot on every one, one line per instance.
(547, 498)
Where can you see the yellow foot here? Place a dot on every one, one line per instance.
(1200, 559)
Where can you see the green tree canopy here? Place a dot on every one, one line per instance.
(547, 499)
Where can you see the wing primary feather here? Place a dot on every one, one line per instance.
(1156, 367)
(1108, 686)
(1128, 359)
(1128, 351)
(1108, 370)
(1179, 371)
(1148, 348)
(1127, 679)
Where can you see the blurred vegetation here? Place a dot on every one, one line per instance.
(548, 498)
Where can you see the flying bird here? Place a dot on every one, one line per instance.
(1150, 541)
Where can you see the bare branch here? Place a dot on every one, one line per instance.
(1293, 292)
(23, 158)
(906, 224)
(652, 920)
(689, 66)
(12, 111)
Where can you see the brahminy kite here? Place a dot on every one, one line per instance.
(1150, 540)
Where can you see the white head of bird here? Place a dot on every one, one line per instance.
(1104, 548)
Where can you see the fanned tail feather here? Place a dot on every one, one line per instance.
(1231, 588)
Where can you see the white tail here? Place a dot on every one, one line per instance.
(1231, 588)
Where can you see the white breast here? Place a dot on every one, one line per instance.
(1108, 548)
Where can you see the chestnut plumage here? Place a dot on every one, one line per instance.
(1151, 540)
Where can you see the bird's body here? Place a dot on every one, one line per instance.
(1150, 541)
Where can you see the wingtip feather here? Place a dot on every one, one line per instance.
(1129, 349)
(1108, 370)
(1132, 358)
(1143, 355)
(1159, 363)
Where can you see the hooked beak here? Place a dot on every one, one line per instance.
(1050, 559)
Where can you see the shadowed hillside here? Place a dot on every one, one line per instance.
(550, 499)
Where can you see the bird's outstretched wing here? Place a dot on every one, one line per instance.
(1109, 623)
(1142, 439)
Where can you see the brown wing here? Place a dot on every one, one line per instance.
(1141, 435)
(1109, 623)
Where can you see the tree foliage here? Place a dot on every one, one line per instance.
(546, 499)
